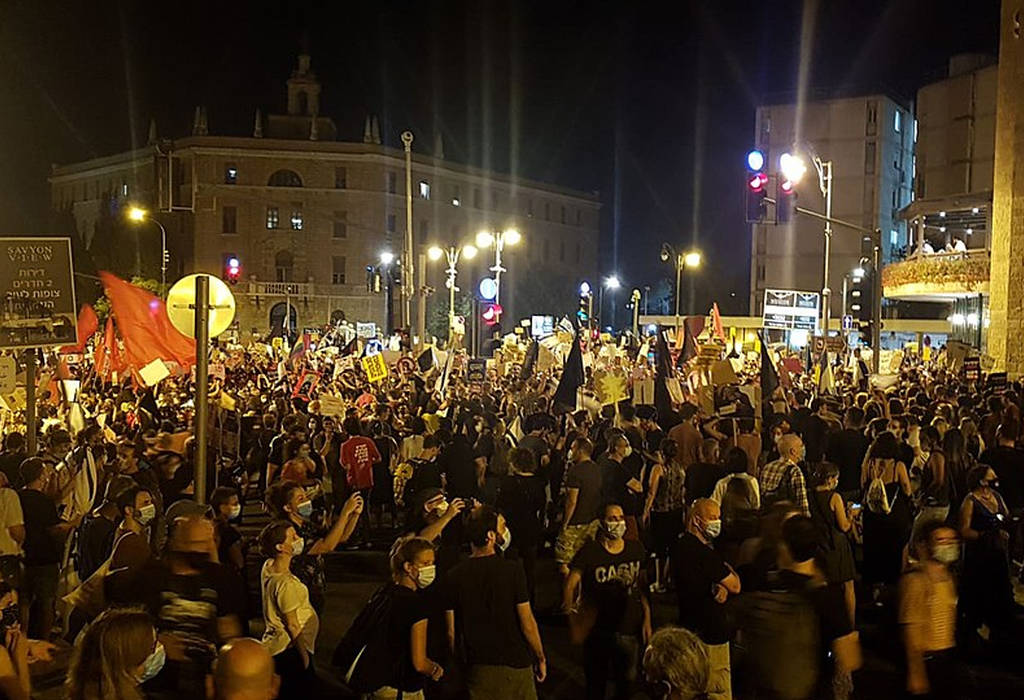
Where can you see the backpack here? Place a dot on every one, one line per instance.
(876, 497)
(364, 654)
(783, 643)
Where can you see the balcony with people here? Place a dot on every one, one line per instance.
(948, 254)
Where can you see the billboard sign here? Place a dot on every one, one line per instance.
(788, 309)
(37, 293)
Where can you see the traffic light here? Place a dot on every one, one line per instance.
(785, 200)
(756, 187)
(861, 301)
(232, 269)
(582, 316)
(491, 314)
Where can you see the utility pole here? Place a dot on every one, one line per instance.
(408, 278)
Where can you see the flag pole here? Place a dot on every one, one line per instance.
(202, 328)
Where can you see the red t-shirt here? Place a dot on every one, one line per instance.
(358, 455)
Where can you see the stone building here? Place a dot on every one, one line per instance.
(307, 214)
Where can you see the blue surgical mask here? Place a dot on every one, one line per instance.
(305, 509)
(154, 663)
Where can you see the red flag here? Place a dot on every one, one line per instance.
(101, 355)
(145, 329)
(716, 322)
(87, 325)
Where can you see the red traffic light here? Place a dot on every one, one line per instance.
(232, 269)
(492, 314)
(757, 182)
(786, 186)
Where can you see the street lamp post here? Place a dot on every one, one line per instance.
(793, 168)
(691, 259)
(138, 215)
(452, 254)
(498, 239)
(386, 259)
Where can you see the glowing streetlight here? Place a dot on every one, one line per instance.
(387, 257)
(484, 239)
(612, 282)
(139, 215)
(792, 167)
(858, 272)
(452, 254)
(692, 259)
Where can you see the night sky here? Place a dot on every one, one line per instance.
(652, 104)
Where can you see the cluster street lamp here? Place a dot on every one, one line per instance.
(793, 168)
(691, 259)
(140, 215)
(499, 239)
(387, 258)
(452, 254)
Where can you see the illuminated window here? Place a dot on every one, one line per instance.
(296, 219)
(424, 189)
(273, 217)
(230, 175)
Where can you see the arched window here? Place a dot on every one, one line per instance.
(284, 261)
(285, 178)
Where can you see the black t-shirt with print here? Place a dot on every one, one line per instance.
(612, 584)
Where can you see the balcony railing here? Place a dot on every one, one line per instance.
(281, 289)
(938, 274)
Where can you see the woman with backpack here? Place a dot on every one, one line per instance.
(383, 655)
(887, 515)
(828, 512)
(291, 622)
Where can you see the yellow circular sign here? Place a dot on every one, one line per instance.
(181, 301)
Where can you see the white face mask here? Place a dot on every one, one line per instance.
(441, 508)
(629, 451)
(947, 553)
(297, 546)
(145, 514)
(425, 576)
(234, 512)
(713, 528)
(506, 540)
(615, 528)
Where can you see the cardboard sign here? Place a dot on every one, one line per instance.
(643, 392)
(8, 371)
(277, 343)
(996, 380)
(331, 405)
(722, 373)
(834, 343)
(153, 372)
(610, 387)
(375, 367)
(972, 368)
(343, 364)
(477, 370)
(306, 384)
(366, 330)
(217, 371)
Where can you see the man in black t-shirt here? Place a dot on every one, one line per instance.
(702, 476)
(44, 532)
(1007, 461)
(614, 605)
(798, 633)
(847, 448)
(620, 479)
(489, 618)
(196, 606)
(704, 581)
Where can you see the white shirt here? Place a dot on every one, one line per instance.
(719, 493)
(283, 593)
(10, 516)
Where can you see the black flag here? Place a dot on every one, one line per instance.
(769, 375)
(530, 361)
(571, 380)
(663, 370)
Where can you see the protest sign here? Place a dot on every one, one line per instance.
(375, 367)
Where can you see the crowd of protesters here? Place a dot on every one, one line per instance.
(769, 533)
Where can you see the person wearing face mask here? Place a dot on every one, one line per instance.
(928, 614)
(704, 582)
(489, 618)
(118, 653)
(291, 623)
(582, 502)
(196, 605)
(620, 482)
(227, 509)
(613, 616)
(986, 596)
(288, 501)
(405, 638)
